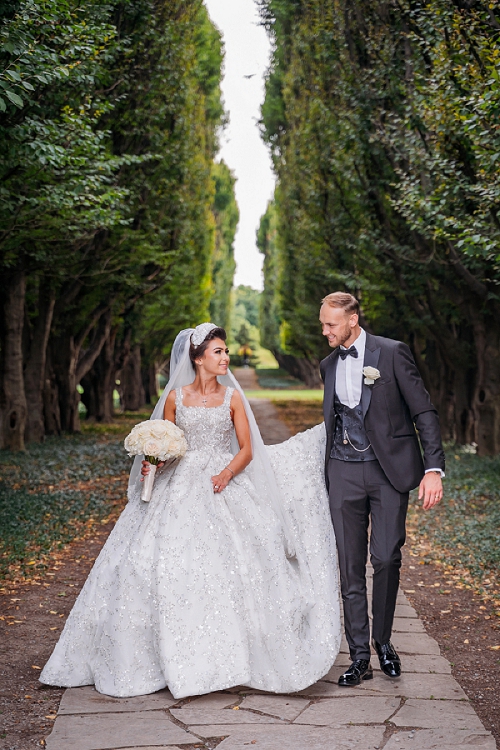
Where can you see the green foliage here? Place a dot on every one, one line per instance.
(226, 215)
(464, 530)
(110, 200)
(382, 121)
(34, 514)
(58, 174)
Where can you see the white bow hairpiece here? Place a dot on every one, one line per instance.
(201, 332)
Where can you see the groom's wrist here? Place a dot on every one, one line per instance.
(436, 471)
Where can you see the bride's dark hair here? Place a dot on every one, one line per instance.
(195, 352)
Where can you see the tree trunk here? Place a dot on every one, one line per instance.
(50, 395)
(34, 374)
(150, 383)
(131, 389)
(99, 383)
(486, 400)
(70, 363)
(301, 368)
(64, 359)
(12, 395)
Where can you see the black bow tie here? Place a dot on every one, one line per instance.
(343, 353)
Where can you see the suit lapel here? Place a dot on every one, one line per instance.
(372, 355)
(329, 393)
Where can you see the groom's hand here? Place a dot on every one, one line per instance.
(431, 490)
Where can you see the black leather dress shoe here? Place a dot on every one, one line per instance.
(359, 670)
(390, 663)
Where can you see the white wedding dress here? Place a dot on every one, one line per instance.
(193, 591)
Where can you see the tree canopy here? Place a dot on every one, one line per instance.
(116, 223)
(382, 120)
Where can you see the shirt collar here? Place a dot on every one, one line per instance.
(360, 342)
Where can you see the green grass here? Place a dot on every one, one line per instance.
(277, 378)
(462, 533)
(287, 395)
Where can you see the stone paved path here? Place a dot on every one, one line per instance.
(425, 709)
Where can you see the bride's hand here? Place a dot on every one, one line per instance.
(220, 481)
(145, 468)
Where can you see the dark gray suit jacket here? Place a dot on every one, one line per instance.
(393, 407)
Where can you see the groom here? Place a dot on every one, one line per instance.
(376, 409)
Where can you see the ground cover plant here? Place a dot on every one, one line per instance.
(57, 491)
(462, 534)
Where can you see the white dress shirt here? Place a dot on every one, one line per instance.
(349, 378)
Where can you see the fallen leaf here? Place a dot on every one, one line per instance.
(33, 666)
(495, 648)
(466, 640)
(445, 611)
(56, 628)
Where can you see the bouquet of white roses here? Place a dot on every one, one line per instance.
(157, 440)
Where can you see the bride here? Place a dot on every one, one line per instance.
(228, 576)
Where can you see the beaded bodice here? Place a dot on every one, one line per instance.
(205, 428)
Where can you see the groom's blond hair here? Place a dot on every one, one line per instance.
(342, 299)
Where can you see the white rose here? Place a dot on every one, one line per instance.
(151, 447)
(158, 428)
(132, 445)
(371, 374)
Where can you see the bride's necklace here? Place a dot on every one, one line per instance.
(204, 399)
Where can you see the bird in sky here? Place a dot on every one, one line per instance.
(250, 76)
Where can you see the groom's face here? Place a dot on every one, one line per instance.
(337, 325)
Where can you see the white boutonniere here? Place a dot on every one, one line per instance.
(371, 375)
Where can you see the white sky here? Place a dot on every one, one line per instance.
(247, 51)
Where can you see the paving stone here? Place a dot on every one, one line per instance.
(342, 660)
(405, 610)
(344, 648)
(415, 643)
(355, 710)
(276, 705)
(407, 625)
(226, 716)
(109, 731)
(86, 700)
(411, 663)
(437, 739)
(437, 714)
(214, 701)
(409, 685)
(331, 689)
(424, 663)
(293, 737)
(437, 686)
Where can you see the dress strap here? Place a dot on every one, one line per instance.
(228, 395)
(178, 397)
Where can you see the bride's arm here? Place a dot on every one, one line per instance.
(169, 408)
(241, 460)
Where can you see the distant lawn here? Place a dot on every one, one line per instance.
(287, 395)
(278, 378)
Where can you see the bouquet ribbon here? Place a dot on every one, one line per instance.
(149, 479)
